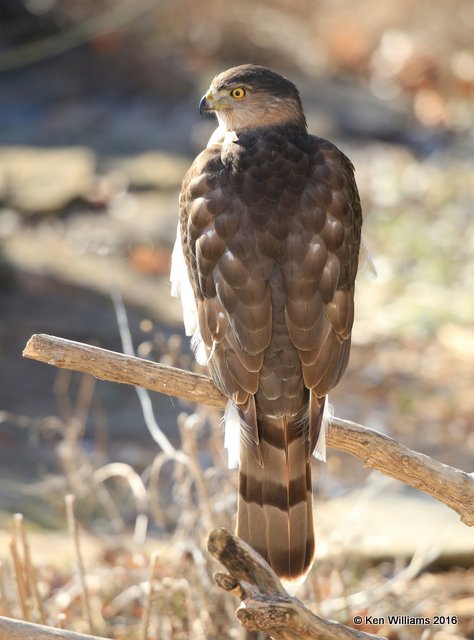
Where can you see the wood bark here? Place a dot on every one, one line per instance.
(266, 606)
(12, 629)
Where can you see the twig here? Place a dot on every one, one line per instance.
(20, 578)
(451, 486)
(147, 611)
(3, 591)
(69, 500)
(124, 599)
(138, 489)
(83, 402)
(30, 572)
(11, 629)
(187, 427)
(155, 504)
(143, 396)
(266, 605)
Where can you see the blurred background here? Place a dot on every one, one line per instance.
(98, 123)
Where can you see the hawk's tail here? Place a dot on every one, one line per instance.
(275, 505)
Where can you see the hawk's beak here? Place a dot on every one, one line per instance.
(206, 105)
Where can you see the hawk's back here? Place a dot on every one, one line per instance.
(270, 225)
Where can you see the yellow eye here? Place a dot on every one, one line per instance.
(238, 93)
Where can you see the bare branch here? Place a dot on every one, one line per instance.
(117, 367)
(451, 486)
(11, 629)
(266, 606)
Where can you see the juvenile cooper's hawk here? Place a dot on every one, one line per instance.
(265, 263)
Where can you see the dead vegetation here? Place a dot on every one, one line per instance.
(149, 575)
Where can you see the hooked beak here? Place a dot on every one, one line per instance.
(205, 106)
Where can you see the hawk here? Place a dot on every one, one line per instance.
(265, 262)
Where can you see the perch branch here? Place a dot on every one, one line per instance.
(117, 367)
(266, 606)
(11, 629)
(451, 486)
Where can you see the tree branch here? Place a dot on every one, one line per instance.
(266, 606)
(451, 486)
(11, 629)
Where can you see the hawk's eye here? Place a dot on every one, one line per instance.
(238, 93)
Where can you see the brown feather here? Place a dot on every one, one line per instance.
(270, 225)
(275, 500)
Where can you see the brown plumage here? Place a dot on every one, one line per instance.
(269, 228)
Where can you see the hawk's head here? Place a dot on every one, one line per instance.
(250, 96)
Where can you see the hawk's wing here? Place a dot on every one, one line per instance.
(270, 232)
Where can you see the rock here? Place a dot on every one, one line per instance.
(153, 170)
(46, 253)
(45, 180)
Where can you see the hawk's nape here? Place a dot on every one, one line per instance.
(265, 263)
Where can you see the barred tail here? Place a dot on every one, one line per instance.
(275, 505)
